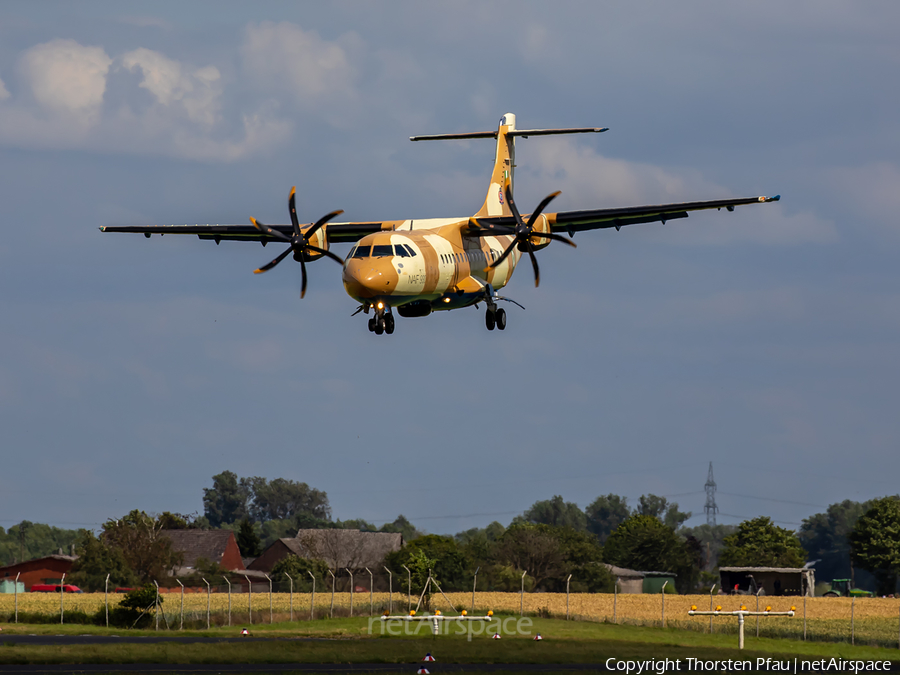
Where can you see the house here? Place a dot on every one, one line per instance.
(46, 570)
(339, 549)
(216, 546)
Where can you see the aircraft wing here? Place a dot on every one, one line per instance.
(336, 232)
(596, 219)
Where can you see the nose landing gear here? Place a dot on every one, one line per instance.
(382, 322)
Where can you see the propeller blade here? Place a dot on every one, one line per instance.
(267, 267)
(331, 255)
(321, 221)
(503, 255)
(534, 263)
(549, 198)
(303, 283)
(275, 234)
(512, 203)
(555, 237)
(292, 206)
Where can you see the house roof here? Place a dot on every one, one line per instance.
(345, 548)
(623, 573)
(65, 558)
(196, 544)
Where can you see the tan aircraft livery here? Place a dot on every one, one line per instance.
(421, 266)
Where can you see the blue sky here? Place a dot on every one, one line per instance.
(763, 340)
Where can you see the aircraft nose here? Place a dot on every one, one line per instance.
(368, 278)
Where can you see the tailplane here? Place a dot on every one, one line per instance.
(504, 157)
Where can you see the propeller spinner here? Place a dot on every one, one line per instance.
(299, 241)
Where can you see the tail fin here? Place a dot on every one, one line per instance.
(504, 167)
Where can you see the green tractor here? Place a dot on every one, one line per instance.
(840, 588)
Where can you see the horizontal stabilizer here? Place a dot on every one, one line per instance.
(524, 133)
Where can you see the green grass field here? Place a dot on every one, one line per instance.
(350, 641)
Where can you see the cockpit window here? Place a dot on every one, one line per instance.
(409, 250)
(402, 250)
(382, 250)
(362, 251)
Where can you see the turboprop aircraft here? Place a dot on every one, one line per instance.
(422, 266)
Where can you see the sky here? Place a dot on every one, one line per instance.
(764, 341)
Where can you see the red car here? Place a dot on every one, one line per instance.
(55, 588)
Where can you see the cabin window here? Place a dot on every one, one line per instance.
(362, 251)
(382, 250)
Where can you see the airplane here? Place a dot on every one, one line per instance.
(423, 266)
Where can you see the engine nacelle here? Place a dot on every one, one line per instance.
(319, 240)
(540, 225)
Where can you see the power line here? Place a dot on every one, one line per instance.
(772, 499)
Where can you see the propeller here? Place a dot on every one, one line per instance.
(523, 232)
(299, 241)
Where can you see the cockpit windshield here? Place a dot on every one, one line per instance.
(382, 250)
(362, 251)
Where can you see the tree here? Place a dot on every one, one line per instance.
(826, 537)
(532, 548)
(138, 537)
(282, 498)
(583, 557)
(299, 569)
(711, 539)
(760, 543)
(248, 540)
(29, 540)
(449, 566)
(659, 507)
(226, 501)
(875, 543)
(403, 526)
(605, 514)
(644, 543)
(556, 512)
(96, 559)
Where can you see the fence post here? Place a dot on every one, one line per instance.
(804, 618)
(331, 611)
(270, 596)
(390, 591)
(616, 601)
(371, 584)
(229, 598)
(351, 589)
(105, 598)
(522, 595)
(156, 603)
(710, 605)
(207, 602)
(16, 592)
(249, 599)
(312, 600)
(291, 579)
(662, 592)
(181, 622)
(62, 594)
(757, 609)
(408, 588)
(853, 620)
(567, 596)
(474, 584)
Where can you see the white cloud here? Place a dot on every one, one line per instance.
(171, 83)
(594, 181)
(284, 58)
(66, 76)
(69, 107)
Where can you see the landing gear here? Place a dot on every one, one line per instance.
(382, 322)
(495, 316)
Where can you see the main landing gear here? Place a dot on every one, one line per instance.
(382, 322)
(495, 316)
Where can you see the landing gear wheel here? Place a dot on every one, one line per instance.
(389, 324)
(372, 325)
(501, 319)
(489, 319)
(379, 325)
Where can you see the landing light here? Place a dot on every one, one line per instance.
(446, 299)
(380, 305)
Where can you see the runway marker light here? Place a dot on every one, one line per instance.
(464, 612)
(429, 657)
(490, 612)
(743, 608)
(718, 608)
(423, 671)
(537, 637)
(437, 612)
(768, 608)
(244, 631)
(496, 636)
(693, 608)
(412, 612)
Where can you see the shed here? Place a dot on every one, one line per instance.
(629, 581)
(338, 548)
(654, 581)
(11, 586)
(772, 580)
(46, 570)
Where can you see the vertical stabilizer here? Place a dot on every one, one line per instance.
(504, 166)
